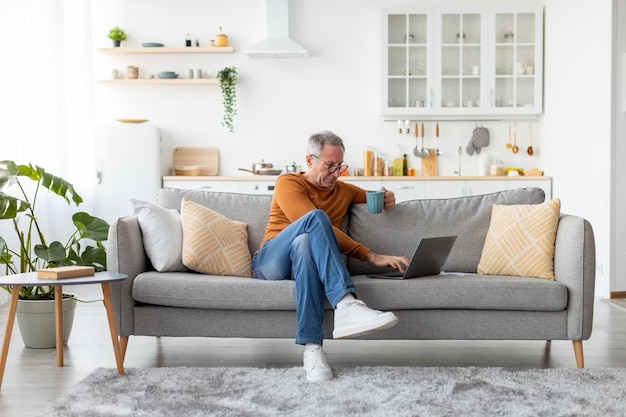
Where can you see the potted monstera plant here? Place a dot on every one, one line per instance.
(25, 248)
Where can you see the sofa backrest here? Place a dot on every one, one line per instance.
(393, 232)
(398, 231)
(253, 210)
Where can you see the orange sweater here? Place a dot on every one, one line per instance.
(294, 196)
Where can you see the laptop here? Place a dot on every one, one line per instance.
(430, 256)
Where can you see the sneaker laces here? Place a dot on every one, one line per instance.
(316, 356)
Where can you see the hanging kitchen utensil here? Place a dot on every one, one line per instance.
(416, 150)
(423, 151)
(437, 151)
(514, 149)
(480, 139)
(530, 139)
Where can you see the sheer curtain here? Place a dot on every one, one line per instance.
(46, 96)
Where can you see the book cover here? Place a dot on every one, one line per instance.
(66, 272)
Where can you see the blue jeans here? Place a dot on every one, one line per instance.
(307, 252)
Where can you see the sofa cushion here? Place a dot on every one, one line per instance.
(253, 210)
(162, 235)
(212, 243)
(398, 231)
(520, 240)
(475, 292)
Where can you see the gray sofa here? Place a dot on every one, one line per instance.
(456, 306)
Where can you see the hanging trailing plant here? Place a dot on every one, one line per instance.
(228, 79)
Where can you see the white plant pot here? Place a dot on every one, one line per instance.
(35, 319)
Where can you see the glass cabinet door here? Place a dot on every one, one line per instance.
(515, 53)
(407, 60)
(461, 59)
(483, 62)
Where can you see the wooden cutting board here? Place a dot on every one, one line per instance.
(207, 157)
(429, 165)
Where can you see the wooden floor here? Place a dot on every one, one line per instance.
(32, 380)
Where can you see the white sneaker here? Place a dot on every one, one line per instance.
(354, 318)
(315, 365)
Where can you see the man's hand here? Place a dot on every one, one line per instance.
(390, 199)
(396, 262)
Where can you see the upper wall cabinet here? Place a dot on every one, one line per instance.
(462, 64)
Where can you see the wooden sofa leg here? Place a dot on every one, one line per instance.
(123, 345)
(578, 352)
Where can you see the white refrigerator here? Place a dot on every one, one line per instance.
(128, 165)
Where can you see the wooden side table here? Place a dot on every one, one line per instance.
(30, 279)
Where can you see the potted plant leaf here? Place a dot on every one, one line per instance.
(28, 249)
(117, 35)
(228, 80)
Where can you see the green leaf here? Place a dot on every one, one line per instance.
(10, 206)
(53, 253)
(91, 227)
(95, 257)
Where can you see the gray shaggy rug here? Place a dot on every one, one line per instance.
(358, 391)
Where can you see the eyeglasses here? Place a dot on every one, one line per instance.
(333, 168)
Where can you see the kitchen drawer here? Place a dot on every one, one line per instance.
(217, 186)
(405, 190)
(256, 187)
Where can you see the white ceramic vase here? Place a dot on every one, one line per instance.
(35, 319)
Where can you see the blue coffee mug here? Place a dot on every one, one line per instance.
(375, 201)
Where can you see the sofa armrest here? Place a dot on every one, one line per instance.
(126, 255)
(575, 266)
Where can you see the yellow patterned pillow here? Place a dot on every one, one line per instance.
(212, 243)
(520, 240)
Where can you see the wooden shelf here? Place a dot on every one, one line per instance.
(158, 81)
(168, 50)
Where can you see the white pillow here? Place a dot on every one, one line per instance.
(162, 235)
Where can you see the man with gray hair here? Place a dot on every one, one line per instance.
(303, 242)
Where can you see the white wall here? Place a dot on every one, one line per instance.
(282, 101)
(576, 126)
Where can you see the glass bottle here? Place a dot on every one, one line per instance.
(398, 163)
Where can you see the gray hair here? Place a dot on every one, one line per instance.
(319, 139)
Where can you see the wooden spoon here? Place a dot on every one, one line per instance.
(515, 149)
(530, 140)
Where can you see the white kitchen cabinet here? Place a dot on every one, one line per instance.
(200, 183)
(411, 189)
(444, 189)
(462, 63)
(405, 188)
(257, 187)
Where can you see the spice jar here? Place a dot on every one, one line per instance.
(496, 168)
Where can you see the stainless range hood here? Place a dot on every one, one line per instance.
(277, 44)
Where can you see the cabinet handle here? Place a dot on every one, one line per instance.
(200, 187)
(430, 97)
(404, 187)
(493, 101)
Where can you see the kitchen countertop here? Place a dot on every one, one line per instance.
(361, 178)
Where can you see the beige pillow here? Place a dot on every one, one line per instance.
(520, 240)
(212, 243)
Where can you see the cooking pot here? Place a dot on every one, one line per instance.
(292, 168)
(262, 168)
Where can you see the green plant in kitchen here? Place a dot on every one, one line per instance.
(228, 80)
(32, 250)
(117, 35)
